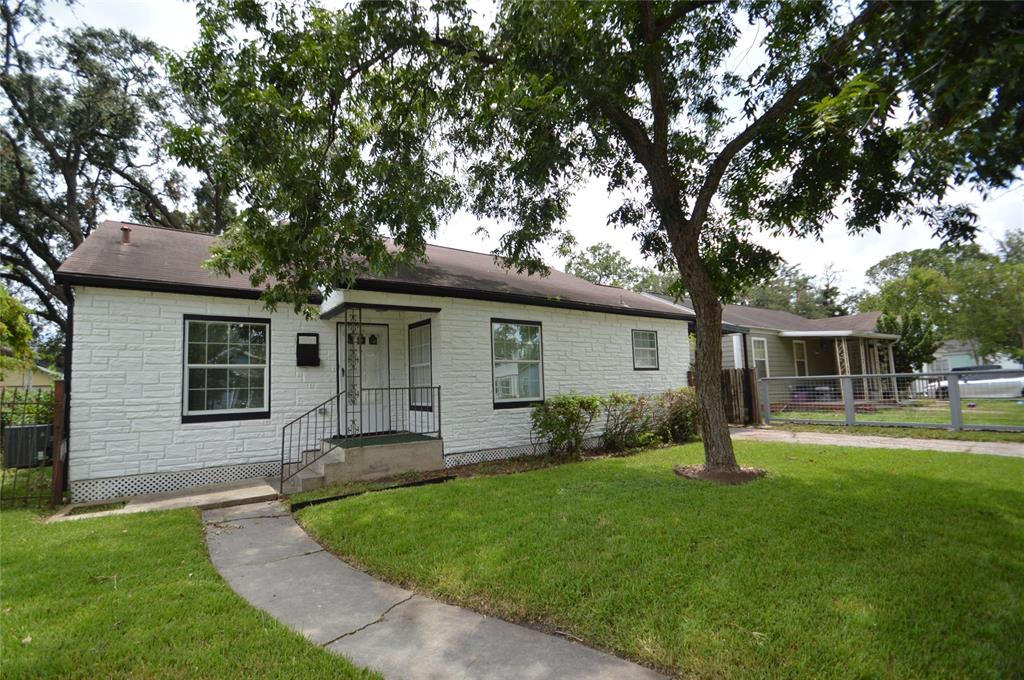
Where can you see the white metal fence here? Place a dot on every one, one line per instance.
(956, 400)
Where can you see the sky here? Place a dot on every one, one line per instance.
(172, 23)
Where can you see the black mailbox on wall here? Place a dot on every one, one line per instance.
(307, 349)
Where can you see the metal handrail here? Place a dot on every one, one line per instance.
(384, 410)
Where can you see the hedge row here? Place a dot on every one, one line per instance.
(562, 422)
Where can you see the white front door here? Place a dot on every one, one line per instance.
(375, 399)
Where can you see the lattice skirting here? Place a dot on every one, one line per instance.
(505, 452)
(136, 485)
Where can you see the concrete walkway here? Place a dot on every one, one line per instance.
(269, 560)
(207, 497)
(764, 434)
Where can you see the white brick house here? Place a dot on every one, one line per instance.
(179, 377)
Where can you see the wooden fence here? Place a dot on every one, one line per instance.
(739, 392)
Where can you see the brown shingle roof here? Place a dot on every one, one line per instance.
(462, 273)
(169, 259)
(866, 322)
(775, 319)
(156, 258)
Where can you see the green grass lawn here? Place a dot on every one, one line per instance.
(904, 432)
(931, 411)
(844, 562)
(135, 596)
(25, 487)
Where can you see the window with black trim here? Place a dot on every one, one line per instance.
(420, 369)
(517, 362)
(227, 369)
(645, 350)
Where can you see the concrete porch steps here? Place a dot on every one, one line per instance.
(372, 458)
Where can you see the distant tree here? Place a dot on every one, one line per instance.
(1011, 246)
(651, 280)
(789, 289)
(987, 308)
(83, 117)
(917, 341)
(971, 296)
(833, 301)
(943, 260)
(602, 263)
(15, 334)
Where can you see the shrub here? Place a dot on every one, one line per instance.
(26, 407)
(561, 422)
(677, 419)
(630, 422)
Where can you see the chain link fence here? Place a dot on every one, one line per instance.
(956, 400)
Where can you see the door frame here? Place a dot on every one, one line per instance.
(339, 332)
(339, 360)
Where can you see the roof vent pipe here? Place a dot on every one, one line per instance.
(126, 235)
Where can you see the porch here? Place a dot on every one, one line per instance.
(385, 418)
(834, 356)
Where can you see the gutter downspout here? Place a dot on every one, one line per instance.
(69, 294)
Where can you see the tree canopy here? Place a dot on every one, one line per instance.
(964, 294)
(602, 263)
(15, 334)
(352, 134)
(83, 130)
(917, 340)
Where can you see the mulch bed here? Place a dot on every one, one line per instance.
(739, 476)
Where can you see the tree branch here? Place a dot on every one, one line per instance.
(655, 81)
(51, 313)
(773, 113)
(152, 198)
(21, 260)
(462, 50)
(663, 25)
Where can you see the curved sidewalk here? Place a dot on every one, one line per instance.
(767, 434)
(270, 561)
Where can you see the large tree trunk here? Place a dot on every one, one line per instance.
(718, 452)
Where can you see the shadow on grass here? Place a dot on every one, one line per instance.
(838, 564)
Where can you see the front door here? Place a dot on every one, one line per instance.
(374, 403)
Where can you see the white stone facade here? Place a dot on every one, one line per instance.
(127, 374)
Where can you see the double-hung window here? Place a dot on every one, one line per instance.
(420, 398)
(800, 357)
(227, 370)
(645, 350)
(760, 351)
(518, 362)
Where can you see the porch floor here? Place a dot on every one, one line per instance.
(381, 439)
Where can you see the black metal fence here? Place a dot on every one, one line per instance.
(346, 418)
(957, 400)
(27, 435)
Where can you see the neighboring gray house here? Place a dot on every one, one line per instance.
(954, 354)
(180, 377)
(781, 344)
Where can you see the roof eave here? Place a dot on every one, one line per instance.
(838, 334)
(97, 281)
(409, 288)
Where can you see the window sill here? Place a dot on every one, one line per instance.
(516, 404)
(225, 417)
(651, 368)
